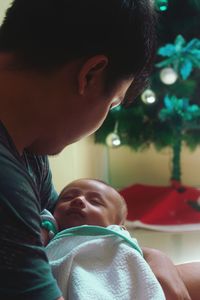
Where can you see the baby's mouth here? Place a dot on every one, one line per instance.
(75, 211)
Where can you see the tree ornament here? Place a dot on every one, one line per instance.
(161, 5)
(148, 96)
(168, 76)
(183, 56)
(113, 140)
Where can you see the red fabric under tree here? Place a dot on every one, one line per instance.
(172, 208)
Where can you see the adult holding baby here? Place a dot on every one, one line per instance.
(63, 65)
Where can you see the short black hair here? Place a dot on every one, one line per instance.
(46, 34)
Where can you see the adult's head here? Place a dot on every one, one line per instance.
(89, 202)
(87, 53)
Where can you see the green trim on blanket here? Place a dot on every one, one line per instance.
(87, 230)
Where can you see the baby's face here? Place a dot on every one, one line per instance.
(87, 202)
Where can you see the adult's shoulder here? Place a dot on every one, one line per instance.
(9, 164)
(15, 181)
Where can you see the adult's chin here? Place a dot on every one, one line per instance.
(42, 147)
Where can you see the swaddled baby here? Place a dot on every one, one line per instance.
(92, 255)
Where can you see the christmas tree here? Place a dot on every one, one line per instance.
(167, 114)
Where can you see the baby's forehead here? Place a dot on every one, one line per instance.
(91, 186)
(87, 185)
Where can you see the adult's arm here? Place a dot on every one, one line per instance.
(168, 275)
(24, 269)
(190, 273)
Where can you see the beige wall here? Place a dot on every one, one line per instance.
(152, 167)
(82, 159)
(4, 4)
(123, 166)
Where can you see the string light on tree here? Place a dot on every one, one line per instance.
(113, 140)
(168, 76)
(148, 96)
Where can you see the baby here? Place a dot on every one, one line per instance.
(91, 254)
(85, 202)
(93, 202)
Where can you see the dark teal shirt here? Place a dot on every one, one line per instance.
(25, 190)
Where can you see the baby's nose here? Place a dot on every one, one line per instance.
(78, 202)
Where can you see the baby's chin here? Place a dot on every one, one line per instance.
(76, 223)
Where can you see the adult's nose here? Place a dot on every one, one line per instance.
(78, 202)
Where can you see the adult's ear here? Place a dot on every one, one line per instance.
(91, 72)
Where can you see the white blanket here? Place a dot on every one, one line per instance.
(91, 262)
